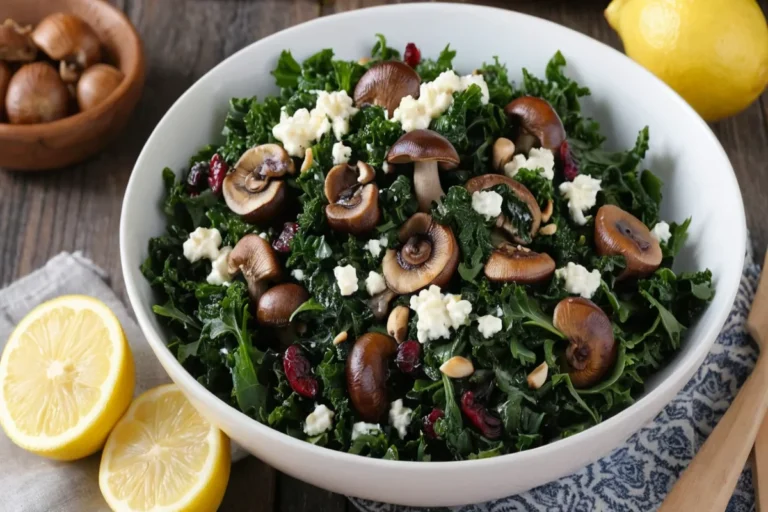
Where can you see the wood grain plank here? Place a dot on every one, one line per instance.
(297, 496)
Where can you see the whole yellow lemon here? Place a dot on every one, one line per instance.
(714, 53)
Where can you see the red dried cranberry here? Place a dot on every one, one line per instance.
(488, 424)
(408, 357)
(196, 178)
(429, 422)
(570, 169)
(412, 55)
(217, 171)
(283, 242)
(298, 371)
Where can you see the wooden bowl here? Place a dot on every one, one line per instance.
(79, 136)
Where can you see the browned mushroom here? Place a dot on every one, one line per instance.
(537, 124)
(367, 375)
(508, 263)
(278, 303)
(353, 198)
(487, 181)
(379, 304)
(66, 37)
(255, 188)
(255, 258)
(618, 232)
(428, 254)
(592, 349)
(503, 151)
(428, 151)
(36, 94)
(15, 43)
(385, 84)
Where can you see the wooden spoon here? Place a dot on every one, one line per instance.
(708, 483)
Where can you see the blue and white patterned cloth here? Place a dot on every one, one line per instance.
(638, 475)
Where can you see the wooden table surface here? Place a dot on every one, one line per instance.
(79, 208)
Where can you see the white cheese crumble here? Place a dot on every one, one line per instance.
(400, 417)
(202, 243)
(438, 313)
(488, 325)
(539, 159)
(579, 280)
(220, 268)
(434, 98)
(340, 153)
(363, 429)
(581, 194)
(346, 278)
(376, 246)
(375, 283)
(332, 112)
(264, 235)
(487, 203)
(318, 421)
(298, 274)
(661, 232)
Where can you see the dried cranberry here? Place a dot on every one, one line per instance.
(298, 371)
(197, 177)
(408, 357)
(488, 424)
(570, 169)
(283, 242)
(412, 55)
(429, 422)
(217, 171)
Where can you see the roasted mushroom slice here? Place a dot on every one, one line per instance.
(255, 258)
(505, 224)
(15, 43)
(428, 254)
(353, 198)
(278, 303)
(537, 124)
(385, 84)
(428, 151)
(618, 232)
(592, 349)
(367, 375)
(515, 264)
(254, 189)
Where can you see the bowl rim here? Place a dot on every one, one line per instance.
(690, 364)
(134, 75)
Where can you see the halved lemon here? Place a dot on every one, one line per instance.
(66, 377)
(164, 456)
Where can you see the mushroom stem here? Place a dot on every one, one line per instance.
(380, 303)
(426, 182)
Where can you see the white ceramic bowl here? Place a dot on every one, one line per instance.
(699, 181)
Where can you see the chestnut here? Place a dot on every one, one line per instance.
(367, 375)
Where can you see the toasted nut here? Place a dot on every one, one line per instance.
(538, 376)
(503, 150)
(363, 60)
(546, 214)
(548, 230)
(367, 174)
(524, 249)
(340, 338)
(397, 323)
(457, 367)
(307, 160)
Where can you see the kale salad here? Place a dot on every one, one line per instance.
(400, 260)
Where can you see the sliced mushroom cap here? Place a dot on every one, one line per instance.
(354, 207)
(367, 375)
(255, 258)
(618, 232)
(537, 123)
(523, 194)
(510, 264)
(385, 84)
(428, 254)
(15, 43)
(428, 151)
(278, 303)
(592, 349)
(254, 188)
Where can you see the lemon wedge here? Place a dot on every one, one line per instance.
(66, 377)
(163, 456)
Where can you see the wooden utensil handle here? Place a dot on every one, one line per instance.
(760, 473)
(708, 483)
